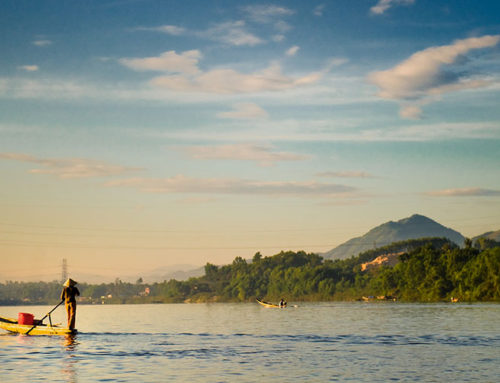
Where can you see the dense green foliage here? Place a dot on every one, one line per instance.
(429, 270)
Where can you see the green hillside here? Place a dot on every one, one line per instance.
(429, 270)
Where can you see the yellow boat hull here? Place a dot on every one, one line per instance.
(265, 304)
(11, 325)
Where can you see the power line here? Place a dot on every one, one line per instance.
(125, 230)
(107, 247)
(124, 247)
(64, 271)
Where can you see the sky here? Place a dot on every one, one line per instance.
(143, 134)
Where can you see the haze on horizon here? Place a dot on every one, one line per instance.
(137, 135)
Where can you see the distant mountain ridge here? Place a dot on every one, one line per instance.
(493, 235)
(414, 227)
(179, 272)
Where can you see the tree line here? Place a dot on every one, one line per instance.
(429, 270)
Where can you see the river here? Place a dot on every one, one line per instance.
(245, 342)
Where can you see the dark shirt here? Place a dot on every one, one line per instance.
(69, 294)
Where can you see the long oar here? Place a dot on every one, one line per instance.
(41, 320)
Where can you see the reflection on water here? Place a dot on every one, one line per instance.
(70, 342)
(248, 343)
(70, 359)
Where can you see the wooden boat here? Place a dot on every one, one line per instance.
(13, 326)
(266, 304)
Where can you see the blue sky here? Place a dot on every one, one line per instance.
(142, 134)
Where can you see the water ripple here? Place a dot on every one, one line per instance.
(222, 343)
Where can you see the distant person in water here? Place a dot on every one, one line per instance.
(282, 303)
(68, 295)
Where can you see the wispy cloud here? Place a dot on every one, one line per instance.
(230, 81)
(411, 112)
(432, 132)
(465, 192)
(232, 33)
(29, 68)
(266, 13)
(346, 174)
(246, 110)
(184, 75)
(318, 10)
(195, 90)
(264, 155)
(271, 15)
(423, 75)
(231, 186)
(321, 131)
(169, 29)
(170, 61)
(292, 51)
(70, 167)
(42, 42)
(384, 5)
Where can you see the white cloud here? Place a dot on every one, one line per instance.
(54, 88)
(271, 15)
(236, 32)
(171, 30)
(42, 43)
(177, 89)
(292, 51)
(170, 61)
(440, 131)
(262, 154)
(233, 33)
(266, 13)
(29, 68)
(245, 110)
(346, 174)
(230, 32)
(384, 5)
(422, 74)
(335, 131)
(231, 186)
(464, 192)
(229, 81)
(70, 167)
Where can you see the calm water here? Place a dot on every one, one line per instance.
(314, 342)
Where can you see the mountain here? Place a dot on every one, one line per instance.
(178, 272)
(414, 227)
(493, 235)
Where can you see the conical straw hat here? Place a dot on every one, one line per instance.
(69, 283)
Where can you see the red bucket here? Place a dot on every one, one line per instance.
(25, 318)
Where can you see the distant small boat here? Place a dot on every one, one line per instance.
(266, 304)
(368, 298)
(13, 326)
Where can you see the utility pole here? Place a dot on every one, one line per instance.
(64, 271)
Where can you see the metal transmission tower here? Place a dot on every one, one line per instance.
(64, 271)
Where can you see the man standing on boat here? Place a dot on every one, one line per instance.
(68, 295)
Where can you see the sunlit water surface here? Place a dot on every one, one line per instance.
(312, 342)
